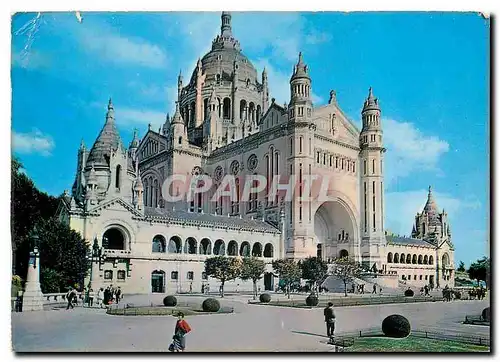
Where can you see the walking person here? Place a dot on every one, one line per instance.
(329, 320)
(91, 297)
(118, 295)
(374, 291)
(100, 297)
(70, 296)
(182, 328)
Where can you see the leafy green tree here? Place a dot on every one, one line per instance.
(289, 272)
(253, 269)
(224, 269)
(63, 254)
(461, 267)
(314, 270)
(28, 206)
(480, 270)
(346, 269)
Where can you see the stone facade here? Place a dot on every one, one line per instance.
(224, 124)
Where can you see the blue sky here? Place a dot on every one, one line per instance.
(429, 71)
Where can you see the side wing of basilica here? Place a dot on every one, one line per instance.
(225, 124)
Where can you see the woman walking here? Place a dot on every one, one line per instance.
(181, 329)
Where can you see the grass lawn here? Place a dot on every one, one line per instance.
(140, 311)
(411, 344)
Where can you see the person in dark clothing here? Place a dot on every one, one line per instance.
(329, 320)
(118, 295)
(106, 296)
(70, 297)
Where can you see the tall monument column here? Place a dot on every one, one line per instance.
(33, 297)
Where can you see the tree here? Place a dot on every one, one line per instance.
(63, 254)
(253, 269)
(289, 272)
(480, 270)
(461, 267)
(346, 269)
(224, 269)
(28, 206)
(314, 270)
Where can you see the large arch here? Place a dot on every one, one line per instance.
(331, 219)
(426, 259)
(257, 249)
(420, 259)
(114, 238)
(396, 258)
(245, 249)
(205, 246)
(219, 247)
(402, 258)
(190, 246)
(175, 245)
(232, 248)
(389, 258)
(408, 258)
(159, 244)
(431, 260)
(414, 259)
(343, 253)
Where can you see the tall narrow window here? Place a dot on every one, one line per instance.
(373, 166)
(364, 167)
(365, 207)
(291, 146)
(300, 144)
(118, 176)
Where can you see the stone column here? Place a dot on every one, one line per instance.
(33, 297)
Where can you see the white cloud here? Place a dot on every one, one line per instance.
(128, 117)
(401, 208)
(409, 150)
(316, 37)
(122, 50)
(33, 142)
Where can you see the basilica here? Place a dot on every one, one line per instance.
(225, 123)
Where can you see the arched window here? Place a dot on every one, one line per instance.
(251, 111)
(146, 190)
(257, 249)
(408, 258)
(402, 258)
(226, 108)
(420, 259)
(180, 140)
(155, 193)
(219, 247)
(190, 246)
(118, 176)
(120, 275)
(431, 260)
(205, 108)
(108, 275)
(343, 253)
(243, 111)
(268, 251)
(258, 113)
(426, 259)
(396, 258)
(159, 244)
(414, 259)
(174, 275)
(175, 245)
(445, 260)
(190, 275)
(205, 247)
(232, 248)
(389, 258)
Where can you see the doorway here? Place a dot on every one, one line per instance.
(268, 281)
(158, 281)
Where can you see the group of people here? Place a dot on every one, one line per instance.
(477, 293)
(425, 291)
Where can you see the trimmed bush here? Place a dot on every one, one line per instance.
(170, 301)
(409, 293)
(396, 326)
(486, 314)
(265, 298)
(210, 305)
(312, 300)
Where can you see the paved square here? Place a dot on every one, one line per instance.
(249, 328)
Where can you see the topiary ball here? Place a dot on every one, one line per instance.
(396, 326)
(486, 314)
(312, 300)
(210, 305)
(170, 301)
(409, 293)
(265, 298)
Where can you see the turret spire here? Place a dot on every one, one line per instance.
(177, 118)
(110, 115)
(225, 29)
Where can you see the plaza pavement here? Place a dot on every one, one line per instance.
(250, 328)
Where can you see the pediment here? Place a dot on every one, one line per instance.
(116, 204)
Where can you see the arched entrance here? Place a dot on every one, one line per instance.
(113, 239)
(343, 253)
(334, 218)
(158, 281)
(268, 281)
